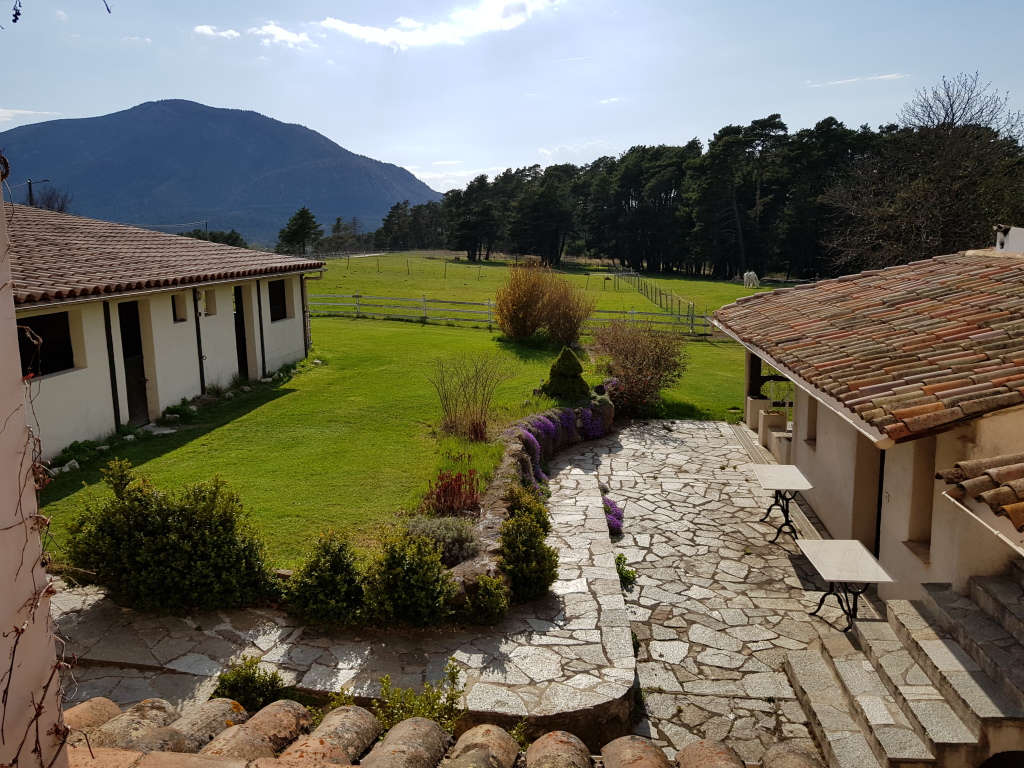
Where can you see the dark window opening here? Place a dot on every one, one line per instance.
(180, 311)
(278, 300)
(46, 347)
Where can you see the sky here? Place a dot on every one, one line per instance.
(450, 89)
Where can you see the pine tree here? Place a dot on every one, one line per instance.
(301, 234)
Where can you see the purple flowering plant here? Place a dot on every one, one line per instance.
(613, 514)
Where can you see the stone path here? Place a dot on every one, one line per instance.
(715, 607)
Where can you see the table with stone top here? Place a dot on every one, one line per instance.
(785, 480)
(844, 564)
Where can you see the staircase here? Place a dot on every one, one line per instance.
(941, 683)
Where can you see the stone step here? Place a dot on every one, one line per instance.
(952, 742)
(1017, 570)
(835, 729)
(890, 735)
(978, 701)
(986, 641)
(1003, 600)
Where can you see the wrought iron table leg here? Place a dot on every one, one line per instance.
(821, 603)
(779, 502)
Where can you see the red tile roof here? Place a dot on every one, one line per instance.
(997, 481)
(56, 257)
(908, 349)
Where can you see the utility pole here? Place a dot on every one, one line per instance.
(31, 199)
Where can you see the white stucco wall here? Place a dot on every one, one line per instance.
(68, 405)
(78, 404)
(843, 466)
(21, 575)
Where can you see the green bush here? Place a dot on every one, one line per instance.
(407, 583)
(526, 503)
(530, 564)
(249, 685)
(490, 603)
(453, 535)
(327, 589)
(438, 702)
(566, 382)
(170, 550)
(627, 576)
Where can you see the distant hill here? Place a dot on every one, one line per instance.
(176, 161)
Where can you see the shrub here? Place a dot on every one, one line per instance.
(520, 305)
(456, 492)
(644, 362)
(465, 385)
(170, 550)
(453, 536)
(490, 603)
(327, 589)
(627, 576)
(525, 502)
(250, 686)
(407, 583)
(530, 564)
(613, 514)
(438, 702)
(565, 381)
(532, 448)
(568, 308)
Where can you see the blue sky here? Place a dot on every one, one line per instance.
(453, 88)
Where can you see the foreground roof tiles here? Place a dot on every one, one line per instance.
(997, 481)
(908, 349)
(58, 257)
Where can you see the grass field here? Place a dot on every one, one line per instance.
(350, 442)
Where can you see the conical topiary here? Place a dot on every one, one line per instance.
(565, 381)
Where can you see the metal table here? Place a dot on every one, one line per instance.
(785, 480)
(848, 568)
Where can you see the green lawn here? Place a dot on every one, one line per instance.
(350, 442)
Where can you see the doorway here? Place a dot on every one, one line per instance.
(241, 346)
(134, 363)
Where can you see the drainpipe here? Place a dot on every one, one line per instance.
(113, 366)
(199, 343)
(306, 332)
(878, 509)
(263, 347)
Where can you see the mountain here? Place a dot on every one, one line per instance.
(169, 162)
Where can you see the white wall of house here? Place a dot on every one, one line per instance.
(842, 465)
(960, 545)
(74, 404)
(77, 404)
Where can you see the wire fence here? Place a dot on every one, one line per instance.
(445, 311)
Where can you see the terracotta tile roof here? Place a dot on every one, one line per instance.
(908, 349)
(997, 481)
(57, 257)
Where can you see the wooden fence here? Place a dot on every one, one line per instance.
(426, 310)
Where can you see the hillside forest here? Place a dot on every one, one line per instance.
(824, 200)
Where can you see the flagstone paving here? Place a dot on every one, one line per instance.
(715, 607)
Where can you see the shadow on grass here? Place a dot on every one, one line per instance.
(153, 446)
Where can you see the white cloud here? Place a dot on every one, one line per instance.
(6, 115)
(447, 162)
(445, 180)
(61, 15)
(135, 39)
(272, 33)
(891, 76)
(577, 154)
(206, 29)
(462, 24)
(608, 101)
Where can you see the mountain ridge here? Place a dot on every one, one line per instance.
(177, 162)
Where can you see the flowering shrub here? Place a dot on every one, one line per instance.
(643, 361)
(567, 421)
(613, 514)
(532, 448)
(593, 424)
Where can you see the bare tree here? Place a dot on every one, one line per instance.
(963, 101)
(53, 199)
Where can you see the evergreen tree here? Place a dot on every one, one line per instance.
(301, 234)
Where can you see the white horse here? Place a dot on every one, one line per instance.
(750, 280)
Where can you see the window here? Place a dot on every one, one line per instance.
(209, 302)
(47, 347)
(180, 307)
(811, 427)
(278, 299)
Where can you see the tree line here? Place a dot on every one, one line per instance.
(823, 200)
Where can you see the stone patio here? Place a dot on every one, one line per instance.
(715, 609)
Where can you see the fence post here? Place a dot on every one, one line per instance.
(356, 297)
(424, 309)
(489, 314)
